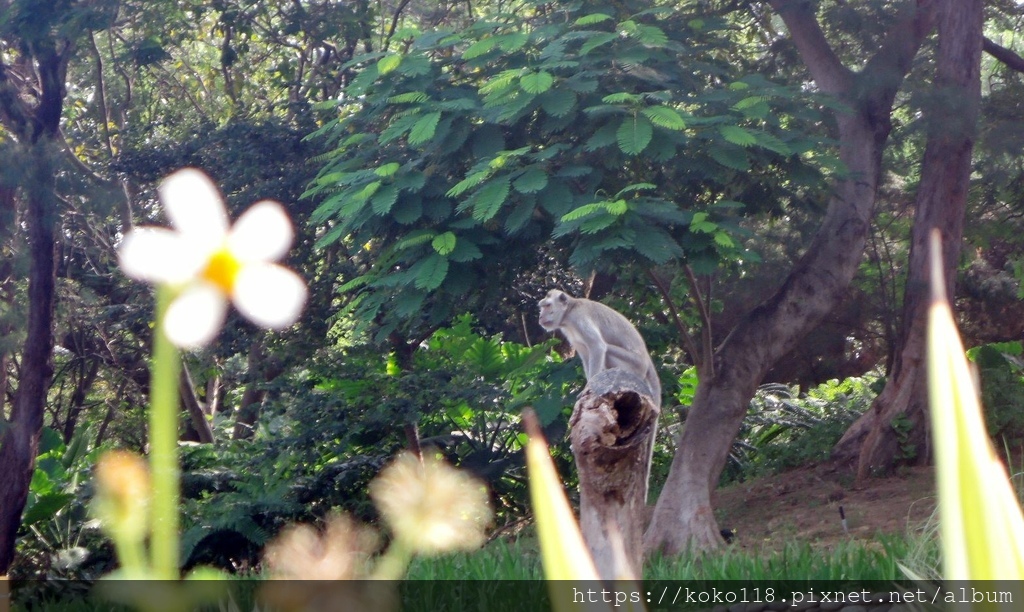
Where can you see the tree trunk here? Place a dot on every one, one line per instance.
(683, 517)
(201, 427)
(612, 435)
(895, 429)
(35, 128)
(20, 442)
(260, 371)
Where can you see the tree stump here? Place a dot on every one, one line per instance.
(612, 433)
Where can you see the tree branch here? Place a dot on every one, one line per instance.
(826, 68)
(1006, 56)
(691, 345)
(708, 353)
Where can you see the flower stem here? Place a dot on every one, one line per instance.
(163, 445)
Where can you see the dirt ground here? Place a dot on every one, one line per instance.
(803, 505)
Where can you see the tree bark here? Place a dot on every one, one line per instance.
(683, 517)
(19, 443)
(895, 428)
(612, 434)
(35, 128)
(197, 415)
(260, 371)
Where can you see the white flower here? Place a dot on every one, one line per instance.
(207, 262)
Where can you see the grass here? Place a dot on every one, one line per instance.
(873, 560)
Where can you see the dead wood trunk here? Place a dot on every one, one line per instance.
(612, 434)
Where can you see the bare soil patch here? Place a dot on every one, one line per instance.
(802, 505)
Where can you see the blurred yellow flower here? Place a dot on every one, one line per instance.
(208, 262)
(431, 506)
(122, 493)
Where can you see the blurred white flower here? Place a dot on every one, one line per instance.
(207, 262)
(432, 506)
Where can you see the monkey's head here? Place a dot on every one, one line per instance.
(553, 308)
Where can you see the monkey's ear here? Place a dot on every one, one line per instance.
(563, 298)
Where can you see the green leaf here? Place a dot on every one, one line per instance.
(772, 143)
(595, 41)
(635, 187)
(513, 42)
(663, 116)
(592, 19)
(468, 183)
(388, 63)
(564, 555)
(621, 98)
(387, 169)
(423, 129)
(617, 207)
(634, 134)
(430, 272)
(408, 211)
(531, 181)
(416, 238)
(479, 48)
(537, 82)
(558, 102)
(367, 192)
(444, 244)
(384, 199)
(723, 240)
(487, 201)
(737, 135)
(412, 97)
(731, 157)
(651, 36)
(657, 246)
(583, 211)
(465, 251)
(520, 216)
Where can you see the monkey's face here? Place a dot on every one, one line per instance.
(552, 308)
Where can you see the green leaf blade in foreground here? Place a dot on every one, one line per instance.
(981, 525)
(563, 553)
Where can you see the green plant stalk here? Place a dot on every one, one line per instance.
(130, 552)
(393, 564)
(163, 445)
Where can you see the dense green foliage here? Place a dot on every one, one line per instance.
(623, 137)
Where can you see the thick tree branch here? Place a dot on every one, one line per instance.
(821, 60)
(1006, 56)
(902, 41)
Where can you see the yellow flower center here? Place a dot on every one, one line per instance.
(222, 269)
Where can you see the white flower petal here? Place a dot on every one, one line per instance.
(262, 233)
(158, 255)
(194, 317)
(194, 207)
(269, 295)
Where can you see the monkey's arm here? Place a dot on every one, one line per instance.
(593, 350)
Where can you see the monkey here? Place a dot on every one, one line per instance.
(603, 338)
